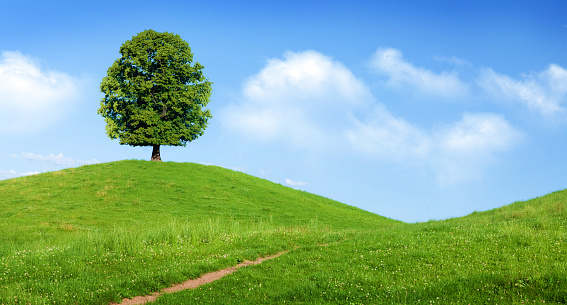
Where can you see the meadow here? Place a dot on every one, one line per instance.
(100, 233)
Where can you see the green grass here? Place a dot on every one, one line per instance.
(99, 233)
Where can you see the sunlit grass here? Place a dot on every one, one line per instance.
(480, 259)
(96, 234)
(100, 267)
(100, 233)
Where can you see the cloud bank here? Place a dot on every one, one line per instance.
(310, 101)
(49, 163)
(13, 174)
(58, 159)
(31, 96)
(456, 152)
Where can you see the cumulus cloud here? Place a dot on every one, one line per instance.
(390, 62)
(477, 134)
(304, 75)
(292, 99)
(310, 101)
(455, 152)
(295, 183)
(31, 96)
(544, 92)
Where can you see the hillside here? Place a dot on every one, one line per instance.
(130, 193)
(516, 254)
(100, 233)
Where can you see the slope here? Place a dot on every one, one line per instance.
(99, 233)
(516, 254)
(131, 193)
(105, 232)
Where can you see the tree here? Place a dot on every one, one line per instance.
(153, 95)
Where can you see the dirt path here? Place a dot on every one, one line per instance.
(205, 279)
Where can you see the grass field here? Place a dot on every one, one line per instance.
(99, 233)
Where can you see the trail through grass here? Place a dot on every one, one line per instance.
(99, 268)
(194, 283)
(480, 259)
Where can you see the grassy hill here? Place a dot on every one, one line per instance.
(128, 194)
(98, 233)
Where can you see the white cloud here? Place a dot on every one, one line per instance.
(544, 92)
(291, 100)
(388, 137)
(305, 76)
(51, 158)
(391, 63)
(477, 134)
(48, 163)
(8, 174)
(13, 174)
(464, 148)
(310, 101)
(455, 152)
(32, 97)
(295, 183)
(58, 159)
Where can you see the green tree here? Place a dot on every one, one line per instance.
(153, 95)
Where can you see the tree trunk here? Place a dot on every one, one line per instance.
(155, 153)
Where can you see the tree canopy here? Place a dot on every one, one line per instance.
(154, 95)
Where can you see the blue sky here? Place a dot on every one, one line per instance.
(414, 110)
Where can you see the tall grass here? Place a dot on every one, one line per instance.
(108, 265)
(513, 255)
